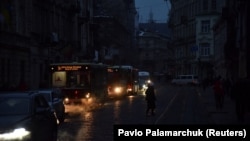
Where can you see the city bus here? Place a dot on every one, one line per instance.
(122, 81)
(80, 81)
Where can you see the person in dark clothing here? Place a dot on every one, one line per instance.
(227, 86)
(218, 93)
(150, 98)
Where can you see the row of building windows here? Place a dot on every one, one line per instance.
(204, 49)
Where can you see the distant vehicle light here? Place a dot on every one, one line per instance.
(66, 100)
(129, 89)
(87, 95)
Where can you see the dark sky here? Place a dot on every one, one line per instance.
(159, 9)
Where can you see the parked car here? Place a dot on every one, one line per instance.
(55, 100)
(26, 116)
(185, 80)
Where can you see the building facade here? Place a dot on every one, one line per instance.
(233, 27)
(216, 32)
(155, 53)
(35, 33)
(193, 37)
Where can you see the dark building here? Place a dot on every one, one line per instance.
(35, 33)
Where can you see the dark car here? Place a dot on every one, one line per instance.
(55, 100)
(26, 116)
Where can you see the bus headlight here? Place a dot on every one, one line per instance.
(117, 89)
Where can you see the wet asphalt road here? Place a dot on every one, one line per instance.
(175, 105)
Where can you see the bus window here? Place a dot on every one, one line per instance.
(77, 79)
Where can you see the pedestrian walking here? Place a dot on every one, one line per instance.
(218, 93)
(150, 98)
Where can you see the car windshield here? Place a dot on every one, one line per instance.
(14, 106)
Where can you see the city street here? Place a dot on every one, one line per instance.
(196, 53)
(176, 105)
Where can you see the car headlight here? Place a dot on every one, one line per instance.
(16, 134)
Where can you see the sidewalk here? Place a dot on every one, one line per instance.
(225, 116)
